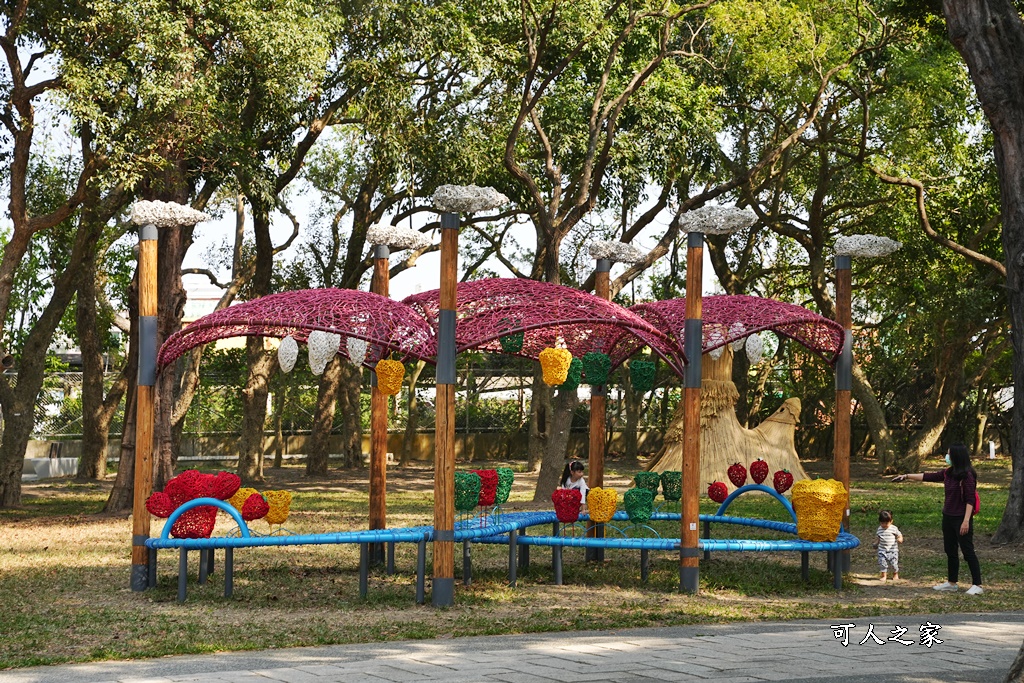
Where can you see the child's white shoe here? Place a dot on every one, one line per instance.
(975, 590)
(946, 586)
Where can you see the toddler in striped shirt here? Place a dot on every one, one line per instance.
(887, 541)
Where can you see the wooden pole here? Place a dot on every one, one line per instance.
(689, 557)
(443, 592)
(844, 383)
(380, 284)
(144, 405)
(598, 415)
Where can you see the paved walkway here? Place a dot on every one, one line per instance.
(974, 648)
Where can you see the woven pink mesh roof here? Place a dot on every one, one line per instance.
(727, 318)
(387, 325)
(488, 309)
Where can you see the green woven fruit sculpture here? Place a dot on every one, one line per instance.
(648, 480)
(639, 505)
(467, 491)
(672, 485)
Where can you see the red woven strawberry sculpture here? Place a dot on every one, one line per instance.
(718, 492)
(567, 504)
(189, 485)
(759, 470)
(782, 481)
(737, 474)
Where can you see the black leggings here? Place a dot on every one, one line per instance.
(951, 538)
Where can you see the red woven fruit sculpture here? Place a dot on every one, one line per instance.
(488, 487)
(189, 485)
(737, 474)
(567, 504)
(255, 507)
(782, 481)
(718, 492)
(759, 470)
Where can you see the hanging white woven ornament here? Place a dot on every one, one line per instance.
(755, 348)
(287, 354)
(356, 350)
(736, 330)
(715, 337)
(321, 347)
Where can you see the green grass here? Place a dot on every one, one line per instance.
(64, 577)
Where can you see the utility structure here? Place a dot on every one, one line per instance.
(712, 220)
(449, 201)
(383, 238)
(861, 246)
(149, 216)
(606, 253)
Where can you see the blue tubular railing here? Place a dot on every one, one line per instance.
(763, 489)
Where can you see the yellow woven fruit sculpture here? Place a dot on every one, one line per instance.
(601, 504)
(555, 364)
(241, 495)
(389, 376)
(280, 502)
(819, 505)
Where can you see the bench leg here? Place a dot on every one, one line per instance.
(805, 565)
(644, 564)
(182, 573)
(211, 561)
(421, 570)
(707, 535)
(513, 563)
(556, 563)
(391, 557)
(364, 569)
(524, 553)
(467, 564)
(229, 572)
(151, 569)
(204, 565)
(837, 569)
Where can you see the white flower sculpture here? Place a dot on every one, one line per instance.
(717, 220)
(869, 246)
(466, 199)
(287, 354)
(715, 337)
(321, 346)
(165, 214)
(755, 348)
(736, 330)
(356, 350)
(620, 252)
(396, 237)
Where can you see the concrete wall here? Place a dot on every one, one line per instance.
(476, 446)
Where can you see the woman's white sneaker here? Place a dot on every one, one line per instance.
(947, 586)
(975, 590)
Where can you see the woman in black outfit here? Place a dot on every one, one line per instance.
(960, 481)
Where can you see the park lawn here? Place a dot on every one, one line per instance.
(64, 575)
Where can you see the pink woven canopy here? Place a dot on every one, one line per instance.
(727, 318)
(488, 309)
(387, 325)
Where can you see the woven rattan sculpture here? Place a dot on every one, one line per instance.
(639, 504)
(567, 504)
(601, 504)
(819, 506)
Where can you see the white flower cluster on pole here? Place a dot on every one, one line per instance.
(321, 347)
(620, 252)
(287, 354)
(165, 214)
(466, 199)
(396, 237)
(717, 220)
(356, 350)
(866, 246)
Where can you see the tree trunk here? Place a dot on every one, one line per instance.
(412, 423)
(279, 402)
(981, 415)
(319, 450)
(989, 34)
(1016, 673)
(122, 494)
(540, 416)
(352, 420)
(18, 401)
(874, 413)
(562, 408)
(262, 365)
(948, 390)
